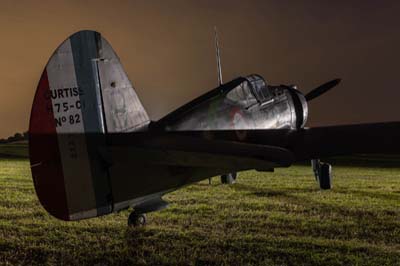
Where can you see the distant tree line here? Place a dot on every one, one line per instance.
(16, 137)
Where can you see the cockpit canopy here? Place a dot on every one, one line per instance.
(250, 92)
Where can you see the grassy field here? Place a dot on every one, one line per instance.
(17, 149)
(279, 218)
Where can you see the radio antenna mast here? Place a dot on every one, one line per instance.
(218, 57)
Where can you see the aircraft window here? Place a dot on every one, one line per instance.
(259, 88)
(242, 95)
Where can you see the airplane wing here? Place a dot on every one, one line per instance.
(197, 152)
(317, 142)
(274, 144)
(329, 141)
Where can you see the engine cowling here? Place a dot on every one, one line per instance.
(300, 106)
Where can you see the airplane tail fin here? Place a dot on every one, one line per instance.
(83, 89)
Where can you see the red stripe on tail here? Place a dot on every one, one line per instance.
(47, 171)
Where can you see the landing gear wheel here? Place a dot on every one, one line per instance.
(229, 178)
(325, 176)
(137, 219)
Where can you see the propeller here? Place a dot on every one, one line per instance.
(321, 89)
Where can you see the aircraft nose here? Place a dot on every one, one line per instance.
(300, 106)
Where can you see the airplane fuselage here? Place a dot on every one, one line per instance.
(247, 104)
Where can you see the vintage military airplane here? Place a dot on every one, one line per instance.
(94, 150)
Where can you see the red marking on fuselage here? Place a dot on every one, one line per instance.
(237, 115)
(47, 171)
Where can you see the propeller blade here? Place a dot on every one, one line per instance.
(321, 89)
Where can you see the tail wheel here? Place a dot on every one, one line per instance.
(137, 219)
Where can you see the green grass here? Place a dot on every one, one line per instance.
(15, 149)
(279, 218)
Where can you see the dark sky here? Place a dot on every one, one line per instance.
(168, 51)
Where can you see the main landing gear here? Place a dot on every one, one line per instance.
(323, 173)
(229, 178)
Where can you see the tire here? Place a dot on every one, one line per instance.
(229, 178)
(325, 176)
(137, 219)
(234, 176)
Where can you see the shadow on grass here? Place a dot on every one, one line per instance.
(376, 195)
(153, 247)
(323, 208)
(267, 192)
